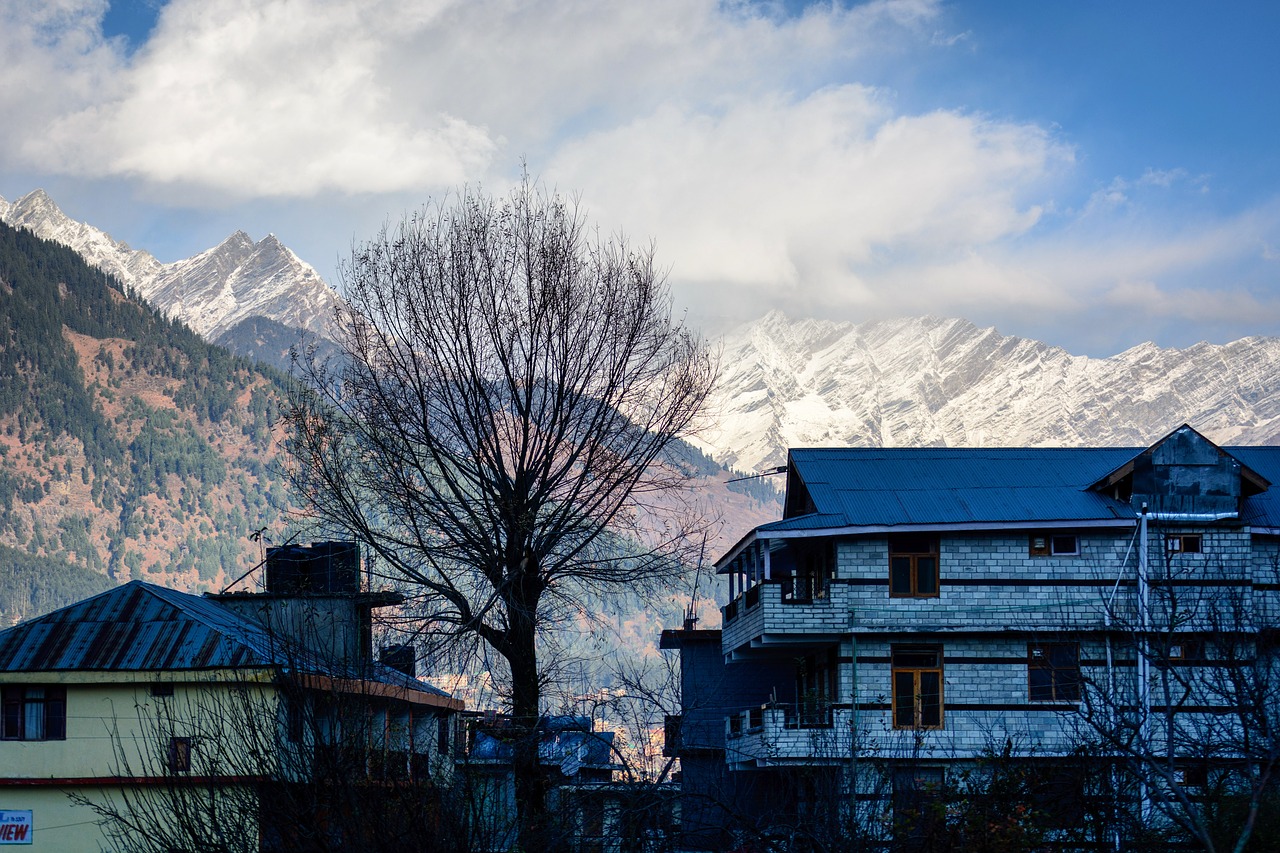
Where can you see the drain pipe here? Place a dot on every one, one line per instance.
(1144, 664)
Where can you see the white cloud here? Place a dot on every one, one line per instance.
(818, 194)
(271, 98)
(742, 138)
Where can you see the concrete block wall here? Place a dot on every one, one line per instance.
(985, 699)
(772, 615)
(774, 743)
(1266, 578)
(990, 581)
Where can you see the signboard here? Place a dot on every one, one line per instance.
(16, 827)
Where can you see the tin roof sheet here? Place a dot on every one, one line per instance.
(886, 487)
(1261, 510)
(143, 627)
(895, 486)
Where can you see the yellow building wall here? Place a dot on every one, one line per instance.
(116, 728)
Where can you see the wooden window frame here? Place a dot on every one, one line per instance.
(1177, 543)
(1184, 648)
(1063, 680)
(19, 707)
(178, 759)
(911, 661)
(1045, 544)
(900, 550)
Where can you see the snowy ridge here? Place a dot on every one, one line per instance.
(798, 383)
(210, 292)
(929, 381)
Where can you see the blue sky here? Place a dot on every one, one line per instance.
(1093, 174)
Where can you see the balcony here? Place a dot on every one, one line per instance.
(778, 734)
(783, 615)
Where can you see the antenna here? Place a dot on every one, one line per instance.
(691, 614)
(781, 469)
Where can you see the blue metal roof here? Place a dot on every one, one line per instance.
(887, 487)
(144, 627)
(1261, 510)
(883, 487)
(561, 739)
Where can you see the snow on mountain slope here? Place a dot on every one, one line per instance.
(790, 383)
(210, 292)
(930, 381)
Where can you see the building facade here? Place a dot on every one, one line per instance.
(917, 613)
(145, 718)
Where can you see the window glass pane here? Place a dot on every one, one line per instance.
(1040, 683)
(918, 658)
(1064, 545)
(1063, 655)
(33, 714)
(900, 575)
(931, 699)
(55, 713)
(904, 699)
(927, 575)
(12, 712)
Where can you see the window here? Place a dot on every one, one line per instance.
(916, 795)
(35, 712)
(1053, 672)
(1187, 543)
(295, 723)
(815, 567)
(913, 566)
(917, 687)
(162, 689)
(817, 679)
(1184, 648)
(442, 734)
(179, 760)
(1191, 776)
(1053, 544)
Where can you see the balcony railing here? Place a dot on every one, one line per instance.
(785, 612)
(781, 733)
(814, 714)
(803, 589)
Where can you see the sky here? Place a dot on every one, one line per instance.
(1092, 174)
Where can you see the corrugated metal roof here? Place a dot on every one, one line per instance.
(1262, 510)
(893, 486)
(561, 739)
(137, 626)
(143, 627)
(885, 487)
(870, 487)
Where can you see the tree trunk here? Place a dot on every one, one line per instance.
(530, 780)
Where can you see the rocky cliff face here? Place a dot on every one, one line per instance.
(786, 383)
(931, 381)
(212, 292)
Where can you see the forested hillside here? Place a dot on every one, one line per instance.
(128, 445)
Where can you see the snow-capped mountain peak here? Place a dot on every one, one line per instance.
(944, 381)
(213, 291)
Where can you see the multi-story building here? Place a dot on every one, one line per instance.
(917, 612)
(145, 718)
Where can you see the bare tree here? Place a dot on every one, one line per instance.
(498, 428)
(1186, 709)
(298, 761)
